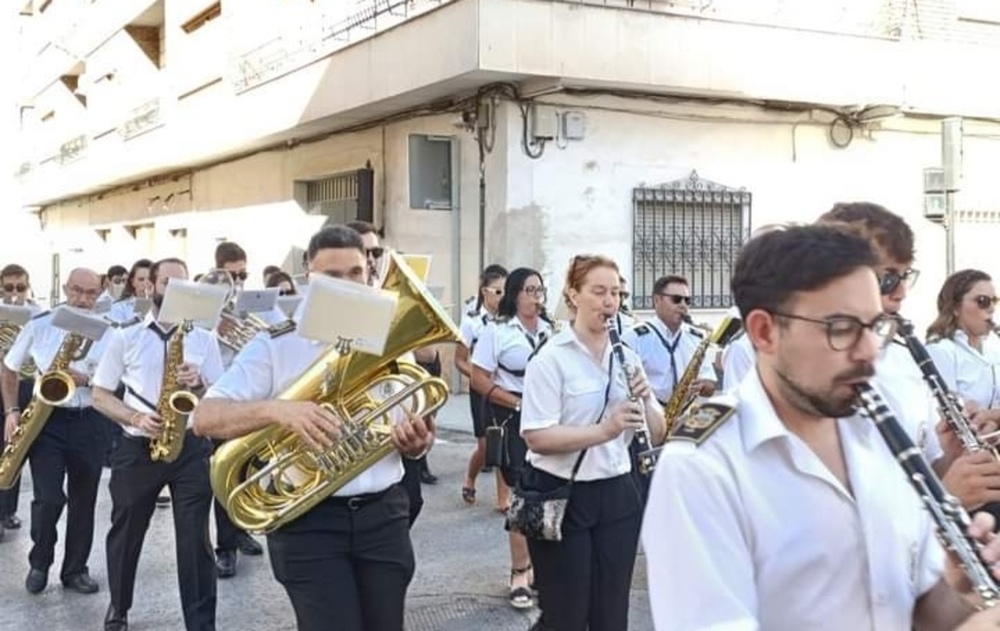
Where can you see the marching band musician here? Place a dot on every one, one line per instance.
(498, 364)
(349, 560)
(576, 397)
(482, 312)
(727, 538)
(113, 284)
(137, 285)
(136, 357)
(667, 343)
(232, 258)
(70, 445)
(15, 289)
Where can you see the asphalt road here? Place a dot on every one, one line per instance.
(460, 582)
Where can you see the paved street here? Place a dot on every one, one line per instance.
(460, 583)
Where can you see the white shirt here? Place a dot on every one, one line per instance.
(503, 349)
(40, 341)
(737, 360)
(122, 311)
(646, 340)
(969, 373)
(135, 356)
(267, 366)
(751, 531)
(563, 385)
(472, 326)
(899, 380)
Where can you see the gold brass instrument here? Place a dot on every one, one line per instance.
(52, 389)
(239, 330)
(681, 397)
(174, 404)
(269, 478)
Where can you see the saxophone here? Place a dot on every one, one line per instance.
(52, 389)
(174, 404)
(680, 398)
(950, 518)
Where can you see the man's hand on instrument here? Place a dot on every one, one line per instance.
(10, 424)
(981, 530)
(317, 426)
(149, 422)
(950, 442)
(414, 436)
(79, 379)
(188, 375)
(974, 478)
(987, 620)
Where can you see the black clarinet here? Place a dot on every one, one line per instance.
(950, 518)
(645, 454)
(948, 404)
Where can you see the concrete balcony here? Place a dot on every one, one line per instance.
(279, 88)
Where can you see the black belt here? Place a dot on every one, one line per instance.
(357, 502)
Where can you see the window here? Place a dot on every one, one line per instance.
(341, 198)
(691, 227)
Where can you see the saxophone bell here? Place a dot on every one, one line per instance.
(182, 402)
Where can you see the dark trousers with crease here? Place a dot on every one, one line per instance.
(584, 580)
(227, 534)
(10, 497)
(136, 481)
(70, 448)
(347, 568)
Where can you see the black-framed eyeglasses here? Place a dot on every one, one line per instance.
(844, 332)
(985, 302)
(375, 253)
(12, 288)
(535, 291)
(677, 298)
(889, 280)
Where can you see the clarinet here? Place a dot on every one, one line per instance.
(950, 518)
(646, 454)
(948, 404)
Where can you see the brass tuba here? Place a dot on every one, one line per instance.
(242, 328)
(52, 389)
(269, 478)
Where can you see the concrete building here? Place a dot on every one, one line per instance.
(659, 132)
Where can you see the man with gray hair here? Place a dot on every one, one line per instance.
(70, 447)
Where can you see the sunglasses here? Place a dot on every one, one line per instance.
(985, 302)
(286, 292)
(889, 281)
(118, 280)
(677, 298)
(494, 290)
(239, 275)
(13, 288)
(375, 253)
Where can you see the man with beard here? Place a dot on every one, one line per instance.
(135, 357)
(785, 509)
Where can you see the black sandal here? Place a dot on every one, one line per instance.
(521, 597)
(468, 495)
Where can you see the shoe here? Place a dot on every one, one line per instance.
(36, 581)
(469, 495)
(249, 546)
(163, 501)
(81, 583)
(225, 564)
(12, 522)
(115, 620)
(427, 477)
(520, 597)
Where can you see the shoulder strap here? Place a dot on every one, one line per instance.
(701, 421)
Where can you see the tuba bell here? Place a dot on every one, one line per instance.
(269, 478)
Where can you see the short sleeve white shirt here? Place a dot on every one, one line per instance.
(472, 326)
(136, 356)
(650, 340)
(565, 386)
(738, 359)
(969, 373)
(751, 531)
(503, 350)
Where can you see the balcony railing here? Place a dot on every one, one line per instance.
(309, 42)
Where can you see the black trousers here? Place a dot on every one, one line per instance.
(136, 481)
(347, 566)
(584, 580)
(70, 448)
(227, 534)
(411, 483)
(10, 497)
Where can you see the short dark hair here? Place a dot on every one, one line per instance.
(338, 237)
(887, 230)
(270, 269)
(116, 270)
(229, 252)
(154, 271)
(671, 279)
(13, 270)
(772, 267)
(363, 227)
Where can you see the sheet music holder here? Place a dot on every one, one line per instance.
(256, 300)
(15, 314)
(337, 311)
(288, 304)
(187, 301)
(81, 322)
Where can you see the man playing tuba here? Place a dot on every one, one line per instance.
(350, 558)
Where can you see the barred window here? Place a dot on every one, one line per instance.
(341, 198)
(691, 227)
